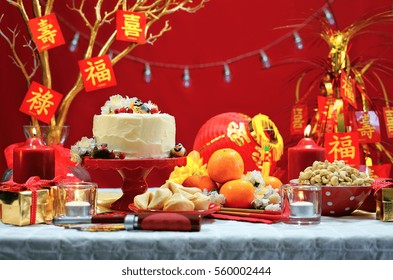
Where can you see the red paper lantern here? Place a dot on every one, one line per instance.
(233, 130)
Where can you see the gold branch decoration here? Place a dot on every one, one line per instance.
(155, 10)
(15, 56)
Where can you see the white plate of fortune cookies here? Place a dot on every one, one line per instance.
(173, 197)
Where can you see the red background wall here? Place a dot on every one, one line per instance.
(224, 29)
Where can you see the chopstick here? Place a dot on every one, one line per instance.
(252, 215)
(240, 218)
(246, 210)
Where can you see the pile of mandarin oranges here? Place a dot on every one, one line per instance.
(225, 169)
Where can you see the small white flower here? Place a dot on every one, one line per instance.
(75, 157)
(274, 199)
(273, 207)
(215, 197)
(86, 144)
(151, 105)
(116, 101)
(255, 177)
(265, 196)
(106, 110)
(82, 148)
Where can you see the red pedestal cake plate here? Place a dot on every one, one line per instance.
(134, 173)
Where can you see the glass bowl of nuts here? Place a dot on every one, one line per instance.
(344, 188)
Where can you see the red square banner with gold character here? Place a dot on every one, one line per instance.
(342, 146)
(388, 116)
(131, 26)
(347, 89)
(299, 119)
(97, 73)
(46, 32)
(40, 102)
(368, 127)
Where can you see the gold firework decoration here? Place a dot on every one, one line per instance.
(341, 82)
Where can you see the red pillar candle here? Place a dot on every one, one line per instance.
(303, 155)
(33, 158)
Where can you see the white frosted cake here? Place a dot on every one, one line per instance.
(134, 128)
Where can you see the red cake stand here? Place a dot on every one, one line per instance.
(134, 173)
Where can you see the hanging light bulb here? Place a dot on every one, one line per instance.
(265, 59)
(298, 40)
(147, 73)
(329, 16)
(227, 73)
(186, 78)
(74, 42)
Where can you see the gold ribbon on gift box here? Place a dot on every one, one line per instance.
(30, 203)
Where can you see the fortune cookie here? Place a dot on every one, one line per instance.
(141, 201)
(201, 201)
(159, 199)
(179, 203)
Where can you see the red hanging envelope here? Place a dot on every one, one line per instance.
(131, 26)
(299, 119)
(97, 73)
(46, 32)
(368, 127)
(342, 146)
(40, 102)
(388, 116)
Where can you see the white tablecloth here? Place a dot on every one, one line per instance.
(359, 236)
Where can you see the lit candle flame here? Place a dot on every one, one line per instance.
(307, 131)
(34, 132)
(301, 195)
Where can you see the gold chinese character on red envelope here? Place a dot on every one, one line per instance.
(347, 89)
(299, 119)
(342, 146)
(368, 127)
(131, 26)
(46, 32)
(97, 73)
(388, 116)
(40, 102)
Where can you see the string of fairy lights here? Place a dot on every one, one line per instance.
(261, 53)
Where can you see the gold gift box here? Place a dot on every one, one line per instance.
(384, 206)
(16, 207)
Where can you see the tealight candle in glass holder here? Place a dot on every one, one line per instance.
(77, 199)
(301, 203)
